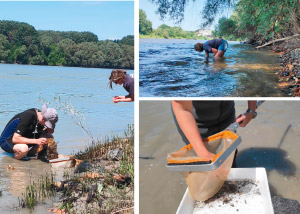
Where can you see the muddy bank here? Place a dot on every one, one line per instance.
(290, 71)
(99, 181)
(289, 59)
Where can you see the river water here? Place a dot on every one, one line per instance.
(270, 141)
(22, 87)
(172, 68)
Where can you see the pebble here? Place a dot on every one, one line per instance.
(83, 167)
(290, 71)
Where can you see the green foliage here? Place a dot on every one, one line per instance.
(262, 20)
(175, 9)
(21, 43)
(253, 19)
(145, 26)
(167, 32)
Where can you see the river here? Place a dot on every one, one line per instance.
(270, 141)
(172, 68)
(87, 89)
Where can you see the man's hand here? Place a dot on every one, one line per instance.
(41, 141)
(244, 119)
(115, 99)
(215, 51)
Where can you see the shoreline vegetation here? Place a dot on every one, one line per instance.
(102, 181)
(21, 43)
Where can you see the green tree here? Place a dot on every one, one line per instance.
(145, 26)
(4, 48)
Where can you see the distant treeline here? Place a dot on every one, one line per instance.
(163, 31)
(21, 43)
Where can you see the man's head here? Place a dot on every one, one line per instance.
(50, 116)
(198, 47)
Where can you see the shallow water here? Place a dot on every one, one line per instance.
(87, 90)
(270, 141)
(172, 68)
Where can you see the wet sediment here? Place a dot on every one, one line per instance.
(100, 182)
(289, 59)
(289, 74)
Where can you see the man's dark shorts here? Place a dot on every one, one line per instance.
(5, 139)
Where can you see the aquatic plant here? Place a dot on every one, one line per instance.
(44, 188)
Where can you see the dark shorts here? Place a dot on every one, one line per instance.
(5, 139)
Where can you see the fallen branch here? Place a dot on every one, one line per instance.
(278, 40)
(122, 210)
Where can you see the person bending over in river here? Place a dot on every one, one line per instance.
(197, 120)
(216, 46)
(27, 131)
(119, 76)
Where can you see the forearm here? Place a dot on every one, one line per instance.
(18, 139)
(252, 105)
(187, 123)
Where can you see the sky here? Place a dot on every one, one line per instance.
(108, 20)
(192, 16)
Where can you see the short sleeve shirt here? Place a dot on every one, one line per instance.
(215, 43)
(129, 84)
(28, 126)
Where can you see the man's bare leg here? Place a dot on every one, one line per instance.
(20, 150)
(220, 54)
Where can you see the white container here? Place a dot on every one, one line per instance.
(63, 162)
(187, 203)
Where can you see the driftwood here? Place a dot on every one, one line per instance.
(278, 40)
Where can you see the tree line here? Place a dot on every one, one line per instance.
(21, 43)
(163, 31)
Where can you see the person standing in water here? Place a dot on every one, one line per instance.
(119, 77)
(216, 46)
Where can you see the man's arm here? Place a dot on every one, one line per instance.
(126, 98)
(244, 119)
(19, 139)
(183, 111)
(206, 54)
(215, 51)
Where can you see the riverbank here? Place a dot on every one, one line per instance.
(289, 60)
(101, 182)
(153, 36)
(66, 66)
(290, 65)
